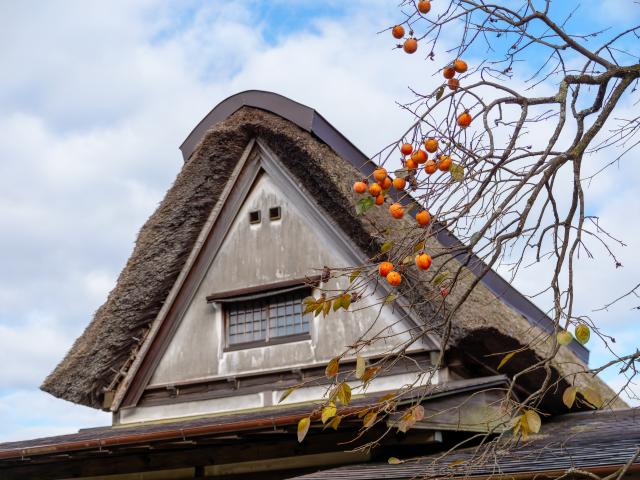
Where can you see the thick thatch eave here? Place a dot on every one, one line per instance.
(101, 354)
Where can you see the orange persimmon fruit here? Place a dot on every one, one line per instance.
(423, 261)
(410, 45)
(396, 210)
(394, 278)
(464, 119)
(423, 217)
(359, 187)
(384, 268)
(431, 145)
(399, 183)
(397, 31)
(380, 174)
(460, 66)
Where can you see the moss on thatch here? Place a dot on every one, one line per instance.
(167, 238)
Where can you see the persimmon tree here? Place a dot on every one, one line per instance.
(500, 154)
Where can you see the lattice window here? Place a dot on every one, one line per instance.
(266, 318)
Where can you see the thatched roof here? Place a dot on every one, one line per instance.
(105, 348)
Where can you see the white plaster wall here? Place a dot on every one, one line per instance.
(265, 399)
(251, 255)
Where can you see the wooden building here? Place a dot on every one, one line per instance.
(204, 331)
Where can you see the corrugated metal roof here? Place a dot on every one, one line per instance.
(583, 440)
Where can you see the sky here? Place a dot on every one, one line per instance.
(96, 97)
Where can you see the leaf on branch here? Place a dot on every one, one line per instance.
(569, 396)
(418, 412)
(418, 246)
(326, 309)
(335, 422)
(440, 92)
(390, 298)
(344, 393)
(533, 421)
(345, 301)
(457, 172)
(369, 373)
(286, 393)
(311, 304)
(592, 397)
(360, 367)
(386, 246)
(364, 204)
(564, 337)
(337, 303)
(328, 412)
(394, 461)
(408, 260)
(582, 333)
(440, 277)
(401, 173)
(355, 274)
(332, 368)
(303, 428)
(369, 419)
(505, 359)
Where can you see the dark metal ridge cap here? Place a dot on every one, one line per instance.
(311, 121)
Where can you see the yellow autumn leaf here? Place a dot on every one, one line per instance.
(369, 373)
(369, 419)
(592, 396)
(345, 301)
(582, 333)
(335, 422)
(564, 337)
(354, 274)
(394, 461)
(332, 368)
(326, 308)
(303, 428)
(569, 396)
(328, 412)
(505, 359)
(337, 303)
(286, 393)
(360, 366)
(390, 298)
(344, 393)
(533, 420)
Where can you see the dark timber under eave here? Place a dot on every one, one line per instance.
(311, 121)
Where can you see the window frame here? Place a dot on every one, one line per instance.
(264, 292)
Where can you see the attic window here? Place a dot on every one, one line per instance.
(269, 315)
(254, 217)
(275, 213)
(267, 319)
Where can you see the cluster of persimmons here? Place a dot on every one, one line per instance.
(413, 160)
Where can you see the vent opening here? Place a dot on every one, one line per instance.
(275, 213)
(254, 217)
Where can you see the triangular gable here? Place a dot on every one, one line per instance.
(187, 343)
(103, 358)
